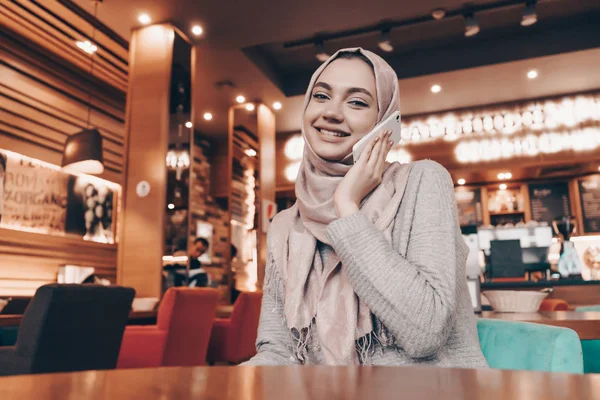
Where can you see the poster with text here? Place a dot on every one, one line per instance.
(34, 197)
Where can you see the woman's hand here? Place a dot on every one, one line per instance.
(364, 176)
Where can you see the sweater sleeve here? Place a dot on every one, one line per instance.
(274, 343)
(415, 297)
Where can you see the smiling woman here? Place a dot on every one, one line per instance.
(368, 267)
(343, 106)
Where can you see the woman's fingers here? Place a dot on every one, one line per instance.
(381, 164)
(366, 154)
(377, 150)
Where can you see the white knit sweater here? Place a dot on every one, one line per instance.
(416, 288)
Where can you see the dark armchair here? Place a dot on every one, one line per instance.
(69, 328)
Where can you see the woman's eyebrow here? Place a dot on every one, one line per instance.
(324, 85)
(360, 90)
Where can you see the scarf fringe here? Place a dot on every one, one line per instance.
(379, 337)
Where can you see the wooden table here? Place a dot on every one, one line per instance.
(135, 317)
(586, 324)
(303, 383)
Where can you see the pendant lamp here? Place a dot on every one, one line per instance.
(83, 150)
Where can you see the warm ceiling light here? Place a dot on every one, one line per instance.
(532, 74)
(501, 176)
(240, 99)
(277, 105)
(250, 152)
(188, 124)
(197, 30)
(436, 89)
(171, 206)
(320, 52)
(144, 19)
(529, 16)
(250, 107)
(207, 116)
(87, 46)
(471, 25)
(384, 42)
(507, 175)
(461, 181)
(438, 13)
(503, 186)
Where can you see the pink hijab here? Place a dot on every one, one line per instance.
(321, 291)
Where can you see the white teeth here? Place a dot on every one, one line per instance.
(332, 133)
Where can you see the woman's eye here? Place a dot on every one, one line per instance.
(358, 103)
(320, 96)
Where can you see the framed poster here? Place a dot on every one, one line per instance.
(589, 196)
(39, 197)
(549, 201)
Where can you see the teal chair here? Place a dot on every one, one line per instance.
(527, 346)
(591, 348)
(587, 308)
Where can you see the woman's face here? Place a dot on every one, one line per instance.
(342, 108)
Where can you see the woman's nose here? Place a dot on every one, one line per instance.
(333, 111)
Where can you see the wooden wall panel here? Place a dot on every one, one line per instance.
(46, 85)
(42, 102)
(29, 260)
(142, 220)
(266, 137)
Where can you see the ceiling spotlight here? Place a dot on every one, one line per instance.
(436, 89)
(197, 30)
(250, 152)
(461, 181)
(532, 74)
(500, 176)
(207, 116)
(240, 99)
(250, 107)
(87, 46)
(320, 52)
(503, 186)
(438, 13)
(384, 42)
(277, 105)
(171, 206)
(471, 25)
(529, 15)
(507, 175)
(188, 124)
(144, 19)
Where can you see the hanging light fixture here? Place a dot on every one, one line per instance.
(529, 16)
(83, 150)
(320, 52)
(471, 25)
(384, 42)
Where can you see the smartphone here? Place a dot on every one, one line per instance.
(391, 123)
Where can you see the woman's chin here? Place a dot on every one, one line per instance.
(333, 156)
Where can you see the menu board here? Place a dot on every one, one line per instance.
(469, 206)
(37, 197)
(589, 195)
(549, 201)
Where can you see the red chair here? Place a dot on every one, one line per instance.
(181, 335)
(233, 340)
(554, 305)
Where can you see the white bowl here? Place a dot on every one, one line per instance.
(515, 300)
(144, 303)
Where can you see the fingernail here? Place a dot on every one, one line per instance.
(391, 142)
(377, 139)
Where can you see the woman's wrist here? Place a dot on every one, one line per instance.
(346, 208)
